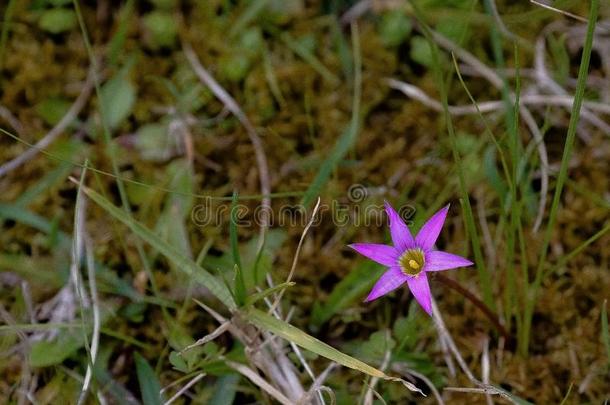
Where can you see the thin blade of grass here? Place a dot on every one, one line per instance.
(218, 289)
(251, 300)
(225, 390)
(49, 180)
(581, 84)
(250, 13)
(565, 398)
(306, 341)
(605, 333)
(514, 146)
(347, 138)
(483, 273)
(309, 57)
(240, 285)
(566, 258)
(57, 158)
(149, 383)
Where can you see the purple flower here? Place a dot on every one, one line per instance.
(410, 258)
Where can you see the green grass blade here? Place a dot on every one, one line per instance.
(225, 390)
(309, 57)
(117, 43)
(605, 333)
(21, 215)
(252, 299)
(250, 13)
(149, 383)
(581, 84)
(512, 397)
(566, 258)
(565, 398)
(347, 138)
(106, 117)
(240, 285)
(483, 273)
(58, 158)
(49, 180)
(302, 339)
(187, 265)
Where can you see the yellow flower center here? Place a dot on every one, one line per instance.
(412, 262)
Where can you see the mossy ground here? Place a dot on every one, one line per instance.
(402, 154)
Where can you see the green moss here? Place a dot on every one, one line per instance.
(57, 20)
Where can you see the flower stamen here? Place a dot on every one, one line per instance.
(412, 261)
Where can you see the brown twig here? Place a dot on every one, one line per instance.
(451, 283)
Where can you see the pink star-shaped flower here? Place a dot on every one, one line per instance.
(410, 258)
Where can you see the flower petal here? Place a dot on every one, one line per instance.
(401, 236)
(437, 260)
(389, 281)
(421, 291)
(382, 254)
(427, 235)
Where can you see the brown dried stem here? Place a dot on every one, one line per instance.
(453, 284)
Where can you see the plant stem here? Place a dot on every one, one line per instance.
(456, 286)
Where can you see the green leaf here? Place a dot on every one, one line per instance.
(149, 383)
(57, 20)
(216, 287)
(297, 336)
(251, 42)
(348, 290)
(255, 268)
(234, 66)
(407, 330)
(117, 43)
(421, 51)
(454, 29)
(172, 224)
(225, 390)
(344, 143)
(154, 143)
(179, 363)
(161, 28)
(394, 27)
(376, 346)
(53, 109)
(118, 96)
(233, 231)
(46, 353)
